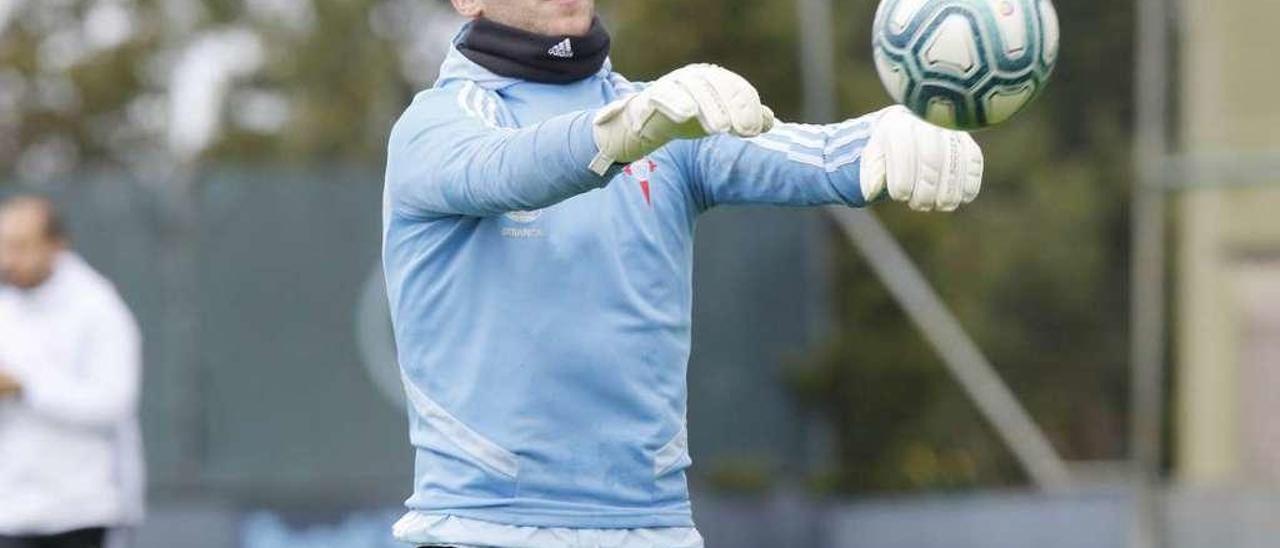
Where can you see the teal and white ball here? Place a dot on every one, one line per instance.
(965, 64)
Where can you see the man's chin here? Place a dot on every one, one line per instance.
(571, 17)
(571, 26)
(570, 7)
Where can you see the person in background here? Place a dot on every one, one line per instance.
(70, 451)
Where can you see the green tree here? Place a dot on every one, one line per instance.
(89, 84)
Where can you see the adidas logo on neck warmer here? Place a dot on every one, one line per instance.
(563, 49)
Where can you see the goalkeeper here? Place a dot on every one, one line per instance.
(538, 246)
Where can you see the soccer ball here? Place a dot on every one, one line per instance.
(965, 64)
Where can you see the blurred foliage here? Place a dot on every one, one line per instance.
(89, 84)
(1035, 268)
(741, 475)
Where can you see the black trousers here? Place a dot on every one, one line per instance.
(80, 538)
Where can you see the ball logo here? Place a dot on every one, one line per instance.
(1006, 8)
(524, 217)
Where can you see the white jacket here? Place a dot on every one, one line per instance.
(70, 451)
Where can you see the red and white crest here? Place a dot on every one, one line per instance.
(642, 172)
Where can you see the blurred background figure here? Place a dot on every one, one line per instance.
(70, 454)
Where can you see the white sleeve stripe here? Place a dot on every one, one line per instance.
(841, 161)
(477, 104)
(480, 103)
(849, 139)
(830, 159)
(462, 99)
(474, 101)
(466, 100)
(816, 146)
(491, 111)
(829, 128)
(484, 105)
(793, 155)
(785, 137)
(823, 134)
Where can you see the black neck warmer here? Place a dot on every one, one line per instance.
(508, 51)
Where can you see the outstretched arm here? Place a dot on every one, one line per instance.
(850, 163)
(448, 157)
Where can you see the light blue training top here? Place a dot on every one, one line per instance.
(542, 312)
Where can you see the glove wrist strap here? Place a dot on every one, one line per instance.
(601, 164)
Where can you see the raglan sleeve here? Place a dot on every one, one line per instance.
(791, 165)
(447, 156)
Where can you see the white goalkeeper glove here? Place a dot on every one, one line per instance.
(924, 165)
(690, 103)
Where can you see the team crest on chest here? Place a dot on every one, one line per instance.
(641, 171)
